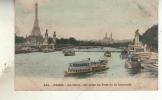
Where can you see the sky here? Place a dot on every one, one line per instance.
(87, 19)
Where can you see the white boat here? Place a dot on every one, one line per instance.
(69, 52)
(85, 66)
(107, 54)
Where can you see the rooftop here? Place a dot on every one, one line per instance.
(81, 62)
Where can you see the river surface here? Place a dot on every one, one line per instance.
(53, 65)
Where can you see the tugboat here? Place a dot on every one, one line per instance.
(85, 66)
(133, 65)
(69, 53)
(132, 62)
(107, 54)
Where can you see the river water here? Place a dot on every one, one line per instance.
(53, 65)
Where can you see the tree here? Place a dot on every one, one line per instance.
(19, 39)
(150, 37)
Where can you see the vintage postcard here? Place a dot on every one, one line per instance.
(89, 45)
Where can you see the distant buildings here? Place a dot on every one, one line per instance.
(41, 42)
(46, 42)
(107, 40)
(110, 40)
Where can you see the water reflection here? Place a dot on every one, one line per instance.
(82, 76)
(133, 71)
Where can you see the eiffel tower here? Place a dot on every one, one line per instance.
(36, 36)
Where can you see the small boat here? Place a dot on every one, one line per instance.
(85, 66)
(47, 50)
(107, 54)
(124, 54)
(69, 53)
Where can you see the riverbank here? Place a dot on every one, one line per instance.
(21, 49)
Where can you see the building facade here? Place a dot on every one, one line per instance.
(107, 40)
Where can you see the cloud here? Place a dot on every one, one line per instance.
(29, 4)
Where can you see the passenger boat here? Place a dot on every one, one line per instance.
(69, 53)
(107, 54)
(85, 66)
